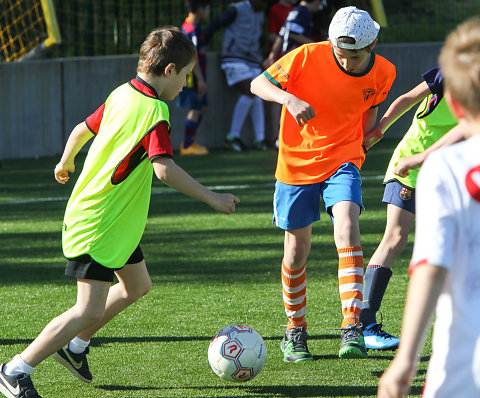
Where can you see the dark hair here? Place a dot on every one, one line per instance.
(351, 40)
(194, 5)
(165, 45)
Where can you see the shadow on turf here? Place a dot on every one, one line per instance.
(270, 391)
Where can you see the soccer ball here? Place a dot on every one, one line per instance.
(237, 353)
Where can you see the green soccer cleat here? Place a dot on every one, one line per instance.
(294, 346)
(353, 343)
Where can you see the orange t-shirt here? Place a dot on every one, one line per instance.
(314, 152)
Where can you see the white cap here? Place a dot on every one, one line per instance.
(355, 23)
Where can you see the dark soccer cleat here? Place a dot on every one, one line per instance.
(378, 339)
(77, 364)
(353, 343)
(294, 346)
(19, 386)
(235, 144)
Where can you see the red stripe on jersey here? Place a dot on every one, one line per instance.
(155, 143)
(94, 120)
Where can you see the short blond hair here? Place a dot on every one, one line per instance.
(460, 64)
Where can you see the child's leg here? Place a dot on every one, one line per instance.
(133, 283)
(296, 248)
(191, 126)
(257, 114)
(88, 310)
(240, 112)
(378, 273)
(294, 283)
(350, 270)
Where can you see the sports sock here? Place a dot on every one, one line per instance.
(350, 283)
(77, 345)
(190, 130)
(376, 281)
(257, 115)
(17, 366)
(240, 112)
(294, 284)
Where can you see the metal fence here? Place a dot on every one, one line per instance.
(106, 27)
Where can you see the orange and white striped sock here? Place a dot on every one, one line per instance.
(294, 286)
(350, 283)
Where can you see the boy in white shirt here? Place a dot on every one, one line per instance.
(445, 268)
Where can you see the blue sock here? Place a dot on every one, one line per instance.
(375, 283)
(190, 130)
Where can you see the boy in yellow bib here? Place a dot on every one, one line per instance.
(107, 211)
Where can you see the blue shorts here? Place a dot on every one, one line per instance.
(298, 206)
(401, 196)
(188, 98)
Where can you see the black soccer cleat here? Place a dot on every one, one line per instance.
(77, 364)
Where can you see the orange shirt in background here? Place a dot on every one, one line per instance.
(312, 153)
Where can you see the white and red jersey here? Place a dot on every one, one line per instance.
(448, 235)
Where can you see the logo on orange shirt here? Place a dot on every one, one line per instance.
(367, 93)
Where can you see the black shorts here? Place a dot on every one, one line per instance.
(85, 267)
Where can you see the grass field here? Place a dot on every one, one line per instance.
(209, 271)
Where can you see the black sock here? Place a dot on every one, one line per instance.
(375, 283)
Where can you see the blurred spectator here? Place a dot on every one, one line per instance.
(241, 62)
(194, 96)
(276, 18)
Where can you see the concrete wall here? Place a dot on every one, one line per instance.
(43, 100)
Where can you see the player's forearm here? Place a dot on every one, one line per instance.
(424, 288)
(369, 119)
(403, 104)
(300, 39)
(198, 73)
(277, 45)
(79, 136)
(175, 177)
(265, 89)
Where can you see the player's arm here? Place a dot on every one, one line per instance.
(425, 286)
(79, 136)
(369, 119)
(219, 22)
(201, 84)
(174, 176)
(301, 111)
(458, 133)
(397, 108)
(272, 56)
(300, 39)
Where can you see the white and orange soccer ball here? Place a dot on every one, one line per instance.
(237, 353)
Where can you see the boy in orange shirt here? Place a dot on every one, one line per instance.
(330, 92)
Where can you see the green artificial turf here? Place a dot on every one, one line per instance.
(209, 270)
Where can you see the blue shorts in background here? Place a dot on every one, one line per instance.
(401, 196)
(188, 98)
(298, 206)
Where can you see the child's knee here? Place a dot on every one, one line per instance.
(136, 292)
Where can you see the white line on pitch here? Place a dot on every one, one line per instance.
(156, 191)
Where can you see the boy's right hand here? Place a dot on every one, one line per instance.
(301, 111)
(224, 202)
(62, 170)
